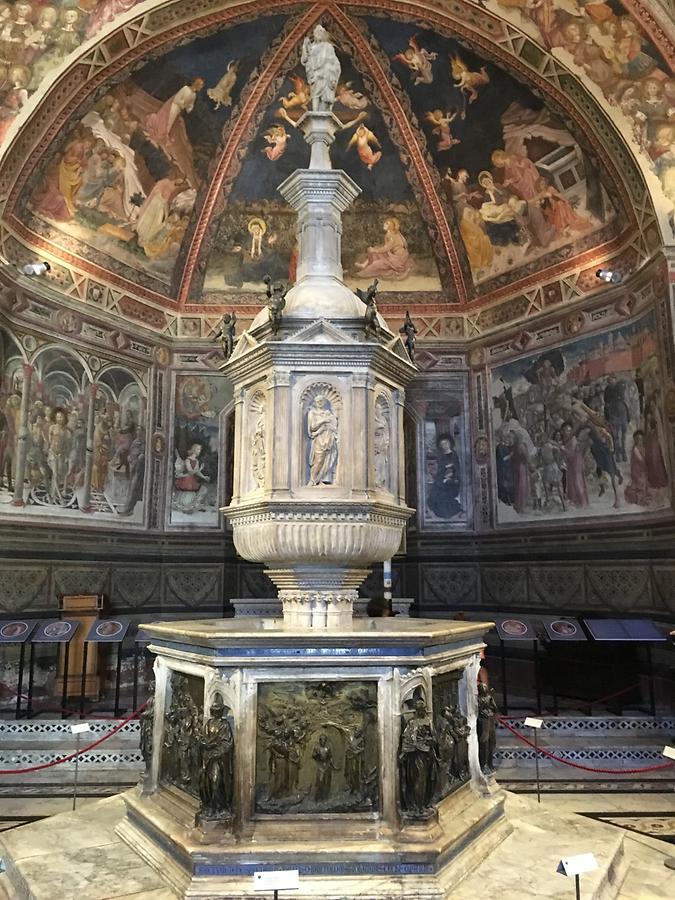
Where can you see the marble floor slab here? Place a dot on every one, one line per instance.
(78, 856)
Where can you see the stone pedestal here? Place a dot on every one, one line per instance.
(321, 768)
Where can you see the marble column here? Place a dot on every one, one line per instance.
(23, 437)
(86, 506)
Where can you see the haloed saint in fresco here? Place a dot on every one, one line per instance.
(579, 430)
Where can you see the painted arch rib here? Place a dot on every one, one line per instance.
(235, 138)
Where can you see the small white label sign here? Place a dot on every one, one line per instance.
(578, 865)
(533, 723)
(669, 752)
(80, 728)
(285, 880)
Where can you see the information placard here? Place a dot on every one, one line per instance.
(624, 630)
(108, 631)
(513, 629)
(559, 628)
(54, 631)
(16, 631)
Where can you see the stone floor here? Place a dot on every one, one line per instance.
(77, 856)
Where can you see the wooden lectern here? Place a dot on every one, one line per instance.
(85, 609)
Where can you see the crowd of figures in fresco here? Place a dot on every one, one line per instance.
(36, 37)
(579, 430)
(317, 748)
(56, 474)
(520, 184)
(606, 43)
(126, 175)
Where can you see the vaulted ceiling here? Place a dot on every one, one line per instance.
(513, 149)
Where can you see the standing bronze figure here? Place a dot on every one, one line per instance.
(409, 330)
(276, 301)
(371, 326)
(227, 333)
(462, 730)
(355, 752)
(146, 719)
(216, 775)
(418, 764)
(486, 727)
(323, 757)
(446, 750)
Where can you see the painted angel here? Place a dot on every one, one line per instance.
(418, 60)
(466, 81)
(298, 98)
(221, 94)
(277, 139)
(347, 96)
(364, 140)
(441, 126)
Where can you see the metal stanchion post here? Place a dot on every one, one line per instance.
(83, 681)
(19, 682)
(504, 703)
(118, 675)
(77, 730)
(535, 725)
(31, 678)
(64, 692)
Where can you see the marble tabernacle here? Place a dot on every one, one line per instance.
(349, 748)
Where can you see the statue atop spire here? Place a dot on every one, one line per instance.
(323, 69)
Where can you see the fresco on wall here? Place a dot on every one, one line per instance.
(383, 236)
(200, 401)
(579, 430)
(37, 37)
(125, 181)
(603, 40)
(444, 480)
(58, 480)
(525, 194)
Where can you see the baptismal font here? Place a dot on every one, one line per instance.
(344, 747)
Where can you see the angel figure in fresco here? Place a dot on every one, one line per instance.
(347, 96)
(296, 102)
(221, 94)
(466, 81)
(190, 482)
(277, 140)
(418, 60)
(364, 139)
(441, 126)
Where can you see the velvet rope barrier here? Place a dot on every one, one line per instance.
(57, 762)
(575, 765)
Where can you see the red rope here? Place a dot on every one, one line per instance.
(568, 762)
(82, 750)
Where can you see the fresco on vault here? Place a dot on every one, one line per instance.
(383, 237)
(579, 430)
(525, 194)
(57, 479)
(37, 37)
(126, 179)
(604, 41)
(199, 404)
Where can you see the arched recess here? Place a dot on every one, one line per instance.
(148, 31)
